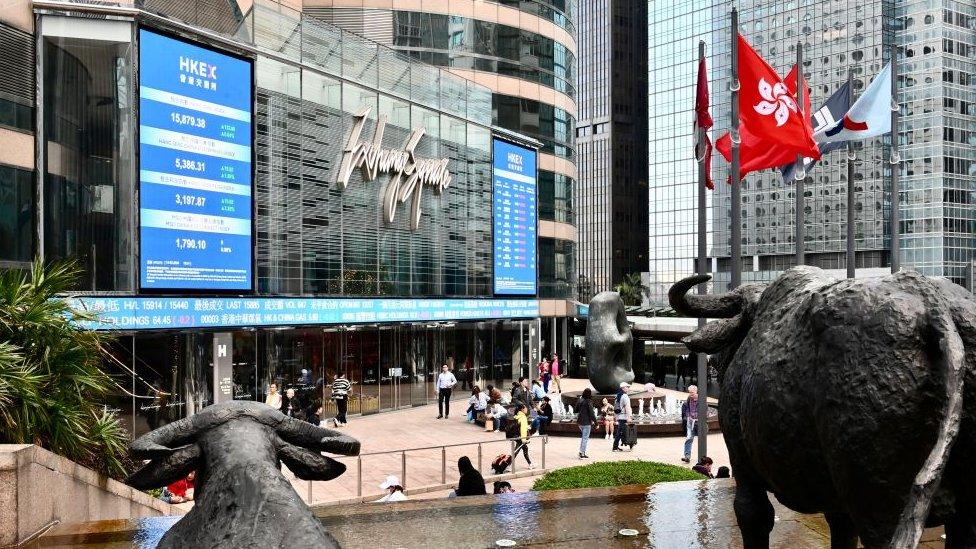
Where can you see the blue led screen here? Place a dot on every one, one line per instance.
(159, 313)
(195, 139)
(514, 194)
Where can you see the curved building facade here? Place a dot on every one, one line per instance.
(525, 52)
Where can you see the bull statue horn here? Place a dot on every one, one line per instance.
(703, 306)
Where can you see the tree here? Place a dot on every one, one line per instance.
(51, 382)
(631, 289)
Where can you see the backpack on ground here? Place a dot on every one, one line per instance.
(501, 463)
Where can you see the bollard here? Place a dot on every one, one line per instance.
(443, 464)
(403, 469)
(359, 477)
(479, 457)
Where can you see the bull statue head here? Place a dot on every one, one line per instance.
(241, 497)
(609, 343)
(734, 311)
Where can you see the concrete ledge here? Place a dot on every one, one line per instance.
(42, 488)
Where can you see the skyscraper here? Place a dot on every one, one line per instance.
(610, 141)
(936, 144)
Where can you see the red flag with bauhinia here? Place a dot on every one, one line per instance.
(755, 153)
(703, 121)
(771, 128)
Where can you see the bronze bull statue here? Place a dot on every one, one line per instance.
(241, 497)
(851, 398)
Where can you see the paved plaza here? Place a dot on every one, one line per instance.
(418, 428)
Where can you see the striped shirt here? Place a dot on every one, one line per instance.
(340, 387)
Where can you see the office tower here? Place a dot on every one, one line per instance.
(611, 141)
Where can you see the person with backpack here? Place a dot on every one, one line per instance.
(340, 394)
(521, 393)
(623, 411)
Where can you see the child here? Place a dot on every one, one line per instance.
(608, 418)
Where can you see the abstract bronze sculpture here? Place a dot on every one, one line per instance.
(241, 497)
(846, 397)
(609, 343)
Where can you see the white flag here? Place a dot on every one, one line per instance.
(869, 116)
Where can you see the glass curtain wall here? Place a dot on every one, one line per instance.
(88, 127)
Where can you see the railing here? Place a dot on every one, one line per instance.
(405, 474)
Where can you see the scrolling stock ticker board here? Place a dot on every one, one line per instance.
(514, 197)
(195, 128)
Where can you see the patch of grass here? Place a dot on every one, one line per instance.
(613, 473)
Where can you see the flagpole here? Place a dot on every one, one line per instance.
(799, 172)
(851, 244)
(736, 229)
(702, 269)
(895, 165)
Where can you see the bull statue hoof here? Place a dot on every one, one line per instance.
(845, 397)
(609, 344)
(241, 497)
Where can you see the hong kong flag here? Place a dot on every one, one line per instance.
(768, 113)
(756, 153)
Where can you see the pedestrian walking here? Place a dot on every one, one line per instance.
(623, 411)
(689, 418)
(340, 394)
(544, 373)
(445, 383)
(554, 372)
(522, 418)
(585, 419)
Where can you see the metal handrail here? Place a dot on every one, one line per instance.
(443, 448)
(446, 446)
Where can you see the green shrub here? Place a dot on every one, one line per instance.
(613, 473)
(52, 387)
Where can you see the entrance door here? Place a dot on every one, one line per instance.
(413, 339)
(394, 373)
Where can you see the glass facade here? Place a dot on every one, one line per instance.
(836, 36)
(313, 238)
(460, 42)
(464, 43)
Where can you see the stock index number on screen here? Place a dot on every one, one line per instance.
(191, 200)
(192, 165)
(188, 120)
(191, 244)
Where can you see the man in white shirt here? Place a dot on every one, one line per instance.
(445, 382)
(623, 411)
